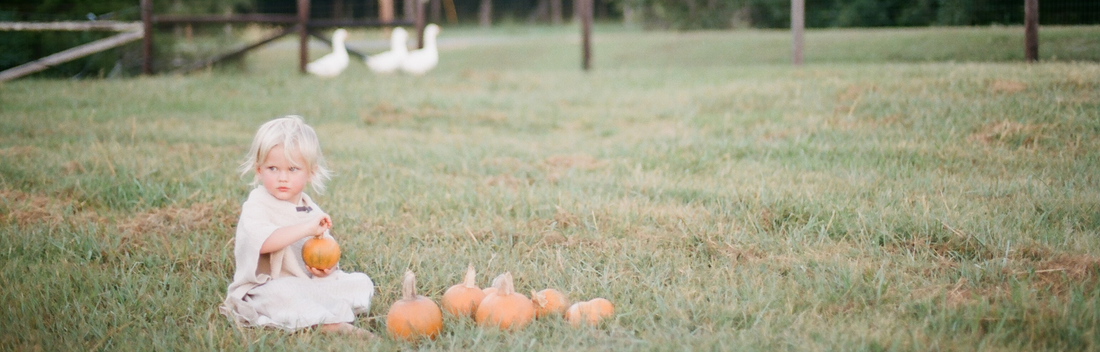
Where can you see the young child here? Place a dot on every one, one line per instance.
(272, 286)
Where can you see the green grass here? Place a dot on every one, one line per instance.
(877, 198)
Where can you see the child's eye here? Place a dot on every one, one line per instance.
(294, 168)
(272, 168)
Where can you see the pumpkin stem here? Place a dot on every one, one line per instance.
(539, 299)
(470, 276)
(506, 287)
(408, 286)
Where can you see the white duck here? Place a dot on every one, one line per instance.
(335, 62)
(419, 62)
(389, 61)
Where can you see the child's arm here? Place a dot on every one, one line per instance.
(286, 235)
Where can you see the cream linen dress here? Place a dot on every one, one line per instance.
(275, 289)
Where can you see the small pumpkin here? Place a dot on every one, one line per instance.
(462, 299)
(590, 312)
(413, 316)
(549, 301)
(321, 252)
(505, 308)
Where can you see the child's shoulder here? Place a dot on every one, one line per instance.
(257, 194)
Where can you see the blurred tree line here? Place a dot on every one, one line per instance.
(717, 14)
(20, 47)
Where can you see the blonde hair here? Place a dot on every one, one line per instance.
(294, 135)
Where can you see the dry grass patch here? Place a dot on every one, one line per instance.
(504, 162)
(565, 219)
(506, 181)
(19, 151)
(1061, 273)
(26, 209)
(383, 113)
(1007, 86)
(171, 227)
(1009, 133)
(558, 166)
(168, 220)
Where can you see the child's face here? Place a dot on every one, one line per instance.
(280, 177)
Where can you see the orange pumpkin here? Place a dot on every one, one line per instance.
(590, 312)
(321, 252)
(549, 301)
(505, 308)
(462, 299)
(413, 316)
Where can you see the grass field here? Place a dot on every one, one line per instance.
(904, 190)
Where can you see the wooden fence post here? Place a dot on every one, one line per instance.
(1031, 30)
(485, 13)
(798, 25)
(410, 10)
(303, 35)
(420, 22)
(586, 33)
(147, 37)
(385, 15)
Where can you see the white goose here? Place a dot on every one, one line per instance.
(335, 62)
(419, 62)
(389, 61)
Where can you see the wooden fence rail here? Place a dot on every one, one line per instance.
(69, 55)
(71, 26)
(299, 22)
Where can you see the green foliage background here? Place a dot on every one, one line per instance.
(17, 48)
(716, 14)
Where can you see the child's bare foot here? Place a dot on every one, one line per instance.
(345, 328)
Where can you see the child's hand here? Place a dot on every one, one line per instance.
(320, 273)
(321, 224)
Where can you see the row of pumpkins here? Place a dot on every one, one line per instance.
(415, 316)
